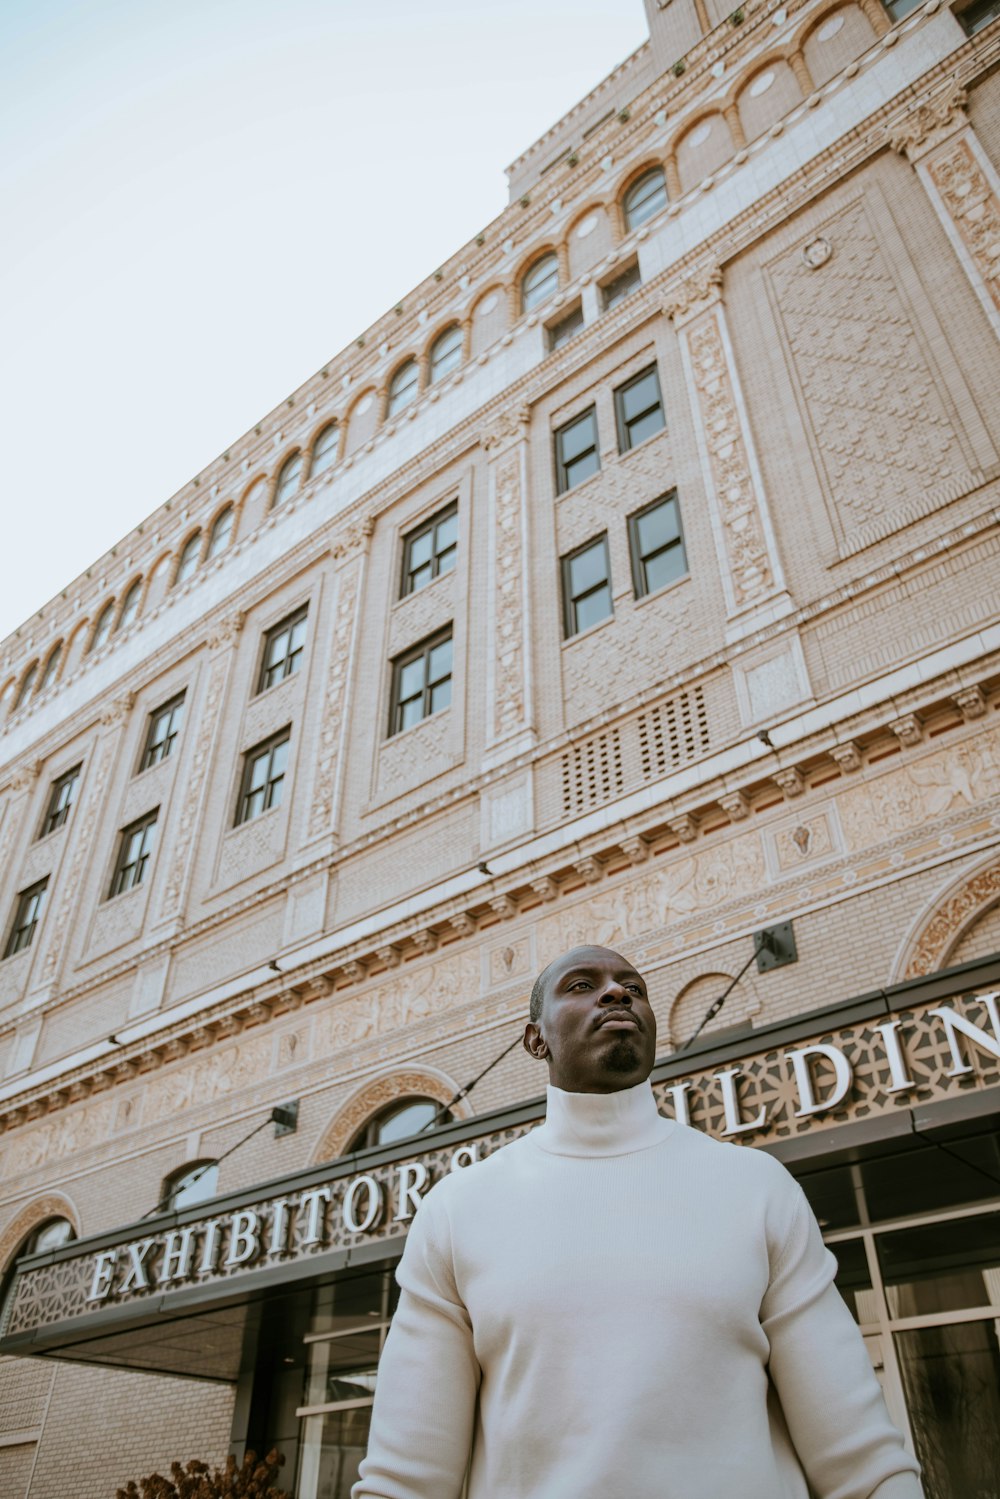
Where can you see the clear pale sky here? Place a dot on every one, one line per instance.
(203, 201)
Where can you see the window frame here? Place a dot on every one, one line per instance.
(409, 390)
(128, 613)
(215, 548)
(653, 170)
(623, 424)
(288, 479)
(103, 626)
(639, 562)
(570, 602)
(328, 457)
(561, 332)
(21, 922)
(543, 296)
(189, 557)
(288, 623)
(406, 590)
(50, 670)
(25, 687)
(70, 779)
(406, 658)
(633, 272)
(141, 825)
(558, 437)
(434, 371)
(167, 708)
(265, 747)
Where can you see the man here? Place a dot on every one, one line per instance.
(616, 1306)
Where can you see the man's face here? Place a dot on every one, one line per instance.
(597, 1030)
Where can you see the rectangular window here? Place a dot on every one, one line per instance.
(26, 916)
(977, 15)
(576, 451)
(263, 776)
(134, 852)
(586, 578)
(283, 647)
(421, 682)
(567, 327)
(657, 545)
(61, 799)
(164, 726)
(622, 286)
(430, 550)
(638, 409)
(900, 8)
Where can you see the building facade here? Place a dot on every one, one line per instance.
(632, 581)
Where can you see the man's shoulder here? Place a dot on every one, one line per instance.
(468, 1181)
(741, 1161)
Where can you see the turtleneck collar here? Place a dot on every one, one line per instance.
(591, 1124)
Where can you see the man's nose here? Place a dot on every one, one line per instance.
(614, 993)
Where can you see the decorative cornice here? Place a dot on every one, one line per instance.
(694, 295)
(928, 122)
(508, 427)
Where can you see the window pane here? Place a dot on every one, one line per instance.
(344, 1368)
(640, 396)
(854, 1281)
(411, 678)
(221, 532)
(645, 426)
(279, 759)
(325, 451)
(103, 627)
(446, 354)
(587, 569)
(288, 479)
(666, 567)
(592, 609)
(616, 291)
(130, 607)
(332, 1448)
(421, 549)
(647, 197)
(562, 332)
(951, 1376)
(258, 770)
(926, 1179)
(942, 1267)
(440, 662)
(582, 469)
(52, 1235)
(189, 558)
(540, 282)
(657, 528)
(447, 532)
(411, 712)
(407, 1120)
(51, 666)
(422, 575)
(403, 389)
(578, 437)
(440, 695)
(194, 1186)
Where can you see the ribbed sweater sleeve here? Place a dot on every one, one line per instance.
(428, 1377)
(830, 1397)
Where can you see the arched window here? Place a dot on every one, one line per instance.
(51, 1233)
(27, 682)
(446, 353)
(324, 453)
(51, 667)
(190, 1185)
(540, 281)
(189, 558)
(397, 1121)
(645, 197)
(103, 627)
(288, 479)
(403, 389)
(130, 606)
(222, 530)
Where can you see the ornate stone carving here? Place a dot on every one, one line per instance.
(193, 793)
(117, 710)
(508, 600)
(338, 674)
(425, 941)
(971, 703)
(636, 850)
(698, 291)
(390, 955)
(508, 427)
(463, 924)
(789, 781)
(52, 1205)
(353, 972)
(354, 538)
(73, 877)
(972, 203)
(685, 827)
(735, 805)
(816, 252)
(930, 122)
(376, 1095)
(25, 777)
(589, 869)
(504, 906)
(976, 894)
(226, 630)
(847, 756)
(908, 729)
(731, 481)
(545, 887)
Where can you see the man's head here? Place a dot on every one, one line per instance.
(592, 1022)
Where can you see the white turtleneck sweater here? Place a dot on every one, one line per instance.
(616, 1306)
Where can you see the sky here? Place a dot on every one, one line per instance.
(203, 202)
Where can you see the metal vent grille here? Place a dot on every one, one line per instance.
(592, 772)
(673, 733)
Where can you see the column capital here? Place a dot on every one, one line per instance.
(698, 292)
(227, 630)
(354, 538)
(509, 427)
(930, 122)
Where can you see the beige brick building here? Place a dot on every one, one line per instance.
(633, 580)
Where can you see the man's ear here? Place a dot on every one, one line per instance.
(534, 1042)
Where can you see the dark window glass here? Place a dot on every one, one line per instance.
(222, 530)
(975, 17)
(951, 1378)
(900, 8)
(288, 479)
(134, 852)
(853, 1278)
(430, 550)
(164, 726)
(948, 1266)
(263, 776)
(61, 800)
(645, 197)
(26, 917)
(587, 586)
(568, 327)
(638, 409)
(576, 451)
(657, 546)
(926, 1179)
(832, 1197)
(541, 281)
(283, 647)
(324, 453)
(130, 608)
(613, 292)
(421, 682)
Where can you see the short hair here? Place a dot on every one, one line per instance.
(537, 997)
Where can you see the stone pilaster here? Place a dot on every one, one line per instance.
(510, 719)
(192, 796)
(752, 577)
(350, 552)
(962, 184)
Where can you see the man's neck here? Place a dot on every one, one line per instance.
(596, 1124)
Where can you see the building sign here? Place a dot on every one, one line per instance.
(879, 1065)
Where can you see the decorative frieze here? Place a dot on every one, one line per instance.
(508, 676)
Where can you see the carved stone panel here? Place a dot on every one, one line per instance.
(332, 727)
